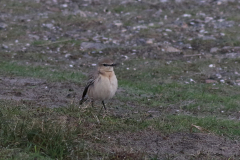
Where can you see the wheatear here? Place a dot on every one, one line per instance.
(103, 84)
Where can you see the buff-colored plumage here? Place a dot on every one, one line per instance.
(103, 84)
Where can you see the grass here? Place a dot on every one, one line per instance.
(189, 97)
(59, 42)
(40, 72)
(13, 33)
(128, 8)
(63, 132)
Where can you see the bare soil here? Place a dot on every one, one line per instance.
(38, 91)
(177, 145)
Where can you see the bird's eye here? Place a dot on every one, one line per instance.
(110, 65)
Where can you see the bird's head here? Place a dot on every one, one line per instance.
(106, 65)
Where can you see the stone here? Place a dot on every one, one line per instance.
(31, 36)
(232, 55)
(117, 23)
(97, 46)
(3, 25)
(4, 46)
(171, 49)
(48, 25)
(214, 49)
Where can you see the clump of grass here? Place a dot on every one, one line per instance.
(128, 8)
(38, 131)
(38, 42)
(174, 123)
(26, 132)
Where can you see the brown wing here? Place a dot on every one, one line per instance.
(90, 82)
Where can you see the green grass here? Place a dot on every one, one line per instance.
(40, 72)
(64, 132)
(175, 123)
(128, 8)
(189, 97)
(59, 42)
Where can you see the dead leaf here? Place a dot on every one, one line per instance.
(171, 49)
(210, 81)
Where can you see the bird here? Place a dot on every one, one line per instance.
(102, 84)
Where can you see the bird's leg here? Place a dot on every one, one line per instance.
(92, 104)
(104, 105)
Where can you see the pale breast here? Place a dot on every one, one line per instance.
(114, 84)
(103, 88)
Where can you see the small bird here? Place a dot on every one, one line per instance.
(102, 85)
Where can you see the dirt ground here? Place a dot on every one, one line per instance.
(178, 145)
(39, 92)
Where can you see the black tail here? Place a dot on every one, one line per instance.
(82, 101)
(83, 95)
(90, 82)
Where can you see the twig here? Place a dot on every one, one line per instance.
(20, 8)
(192, 55)
(199, 128)
(96, 118)
(53, 43)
